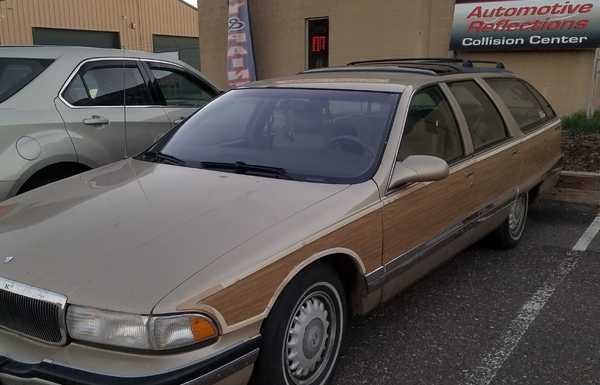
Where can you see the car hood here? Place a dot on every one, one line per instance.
(123, 236)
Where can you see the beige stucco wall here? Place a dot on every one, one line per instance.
(361, 29)
(212, 16)
(358, 29)
(564, 77)
(135, 20)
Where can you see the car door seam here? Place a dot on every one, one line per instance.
(408, 259)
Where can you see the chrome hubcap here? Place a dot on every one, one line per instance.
(310, 338)
(516, 216)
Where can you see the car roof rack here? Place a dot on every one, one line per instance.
(440, 66)
(411, 70)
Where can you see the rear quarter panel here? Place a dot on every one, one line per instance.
(540, 151)
(31, 113)
(43, 138)
(539, 148)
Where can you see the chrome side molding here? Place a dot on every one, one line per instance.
(226, 370)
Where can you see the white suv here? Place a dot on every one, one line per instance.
(68, 109)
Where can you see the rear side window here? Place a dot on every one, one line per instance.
(181, 89)
(485, 123)
(543, 101)
(111, 84)
(17, 73)
(431, 128)
(522, 103)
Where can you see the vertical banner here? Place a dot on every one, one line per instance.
(241, 68)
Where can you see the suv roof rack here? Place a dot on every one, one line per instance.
(440, 66)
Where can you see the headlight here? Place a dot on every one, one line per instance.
(139, 332)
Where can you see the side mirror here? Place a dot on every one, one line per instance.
(419, 168)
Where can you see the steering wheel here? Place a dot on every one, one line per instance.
(350, 144)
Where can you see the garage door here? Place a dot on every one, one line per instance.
(55, 36)
(186, 49)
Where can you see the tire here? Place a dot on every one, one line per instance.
(307, 323)
(510, 232)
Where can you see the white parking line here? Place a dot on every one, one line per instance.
(492, 361)
(588, 236)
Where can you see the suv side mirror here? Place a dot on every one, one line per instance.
(419, 168)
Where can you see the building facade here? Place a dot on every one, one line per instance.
(357, 29)
(168, 26)
(291, 36)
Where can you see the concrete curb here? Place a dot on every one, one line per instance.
(576, 187)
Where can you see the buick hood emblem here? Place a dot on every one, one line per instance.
(8, 259)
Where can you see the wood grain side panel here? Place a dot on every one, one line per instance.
(496, 177)
(539, 153)
(532, 156)
(420, 214)
(552, 146)
(250, 296)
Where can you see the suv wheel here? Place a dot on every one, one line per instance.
(510, 232)
(303, 334)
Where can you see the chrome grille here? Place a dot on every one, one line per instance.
(32, 312)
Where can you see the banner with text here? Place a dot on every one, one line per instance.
(241, 68)
(525, 25)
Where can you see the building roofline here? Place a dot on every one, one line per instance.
(189, 5)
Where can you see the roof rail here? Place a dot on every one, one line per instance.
(400, 60)
(456, 65)
(411, 70)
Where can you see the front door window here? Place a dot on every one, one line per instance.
(431, 128)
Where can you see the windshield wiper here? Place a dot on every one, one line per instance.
(245, 168)
(160, 157)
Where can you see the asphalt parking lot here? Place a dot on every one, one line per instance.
(530, 315)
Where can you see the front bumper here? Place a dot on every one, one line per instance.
(207, 372)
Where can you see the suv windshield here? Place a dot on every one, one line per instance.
(314, 135)
(17, 73)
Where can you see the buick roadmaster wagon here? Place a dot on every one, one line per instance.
(236, 248)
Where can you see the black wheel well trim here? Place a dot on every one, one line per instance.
(53, 168)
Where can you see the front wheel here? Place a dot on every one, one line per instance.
(303, 334)
(510, 232)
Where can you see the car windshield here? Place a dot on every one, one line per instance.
(17, 73)
(315, 135)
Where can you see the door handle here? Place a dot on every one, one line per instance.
(95, 120)
(179, 121)
(515, 151)
(469, 173)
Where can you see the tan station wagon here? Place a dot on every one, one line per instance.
(236, 248)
